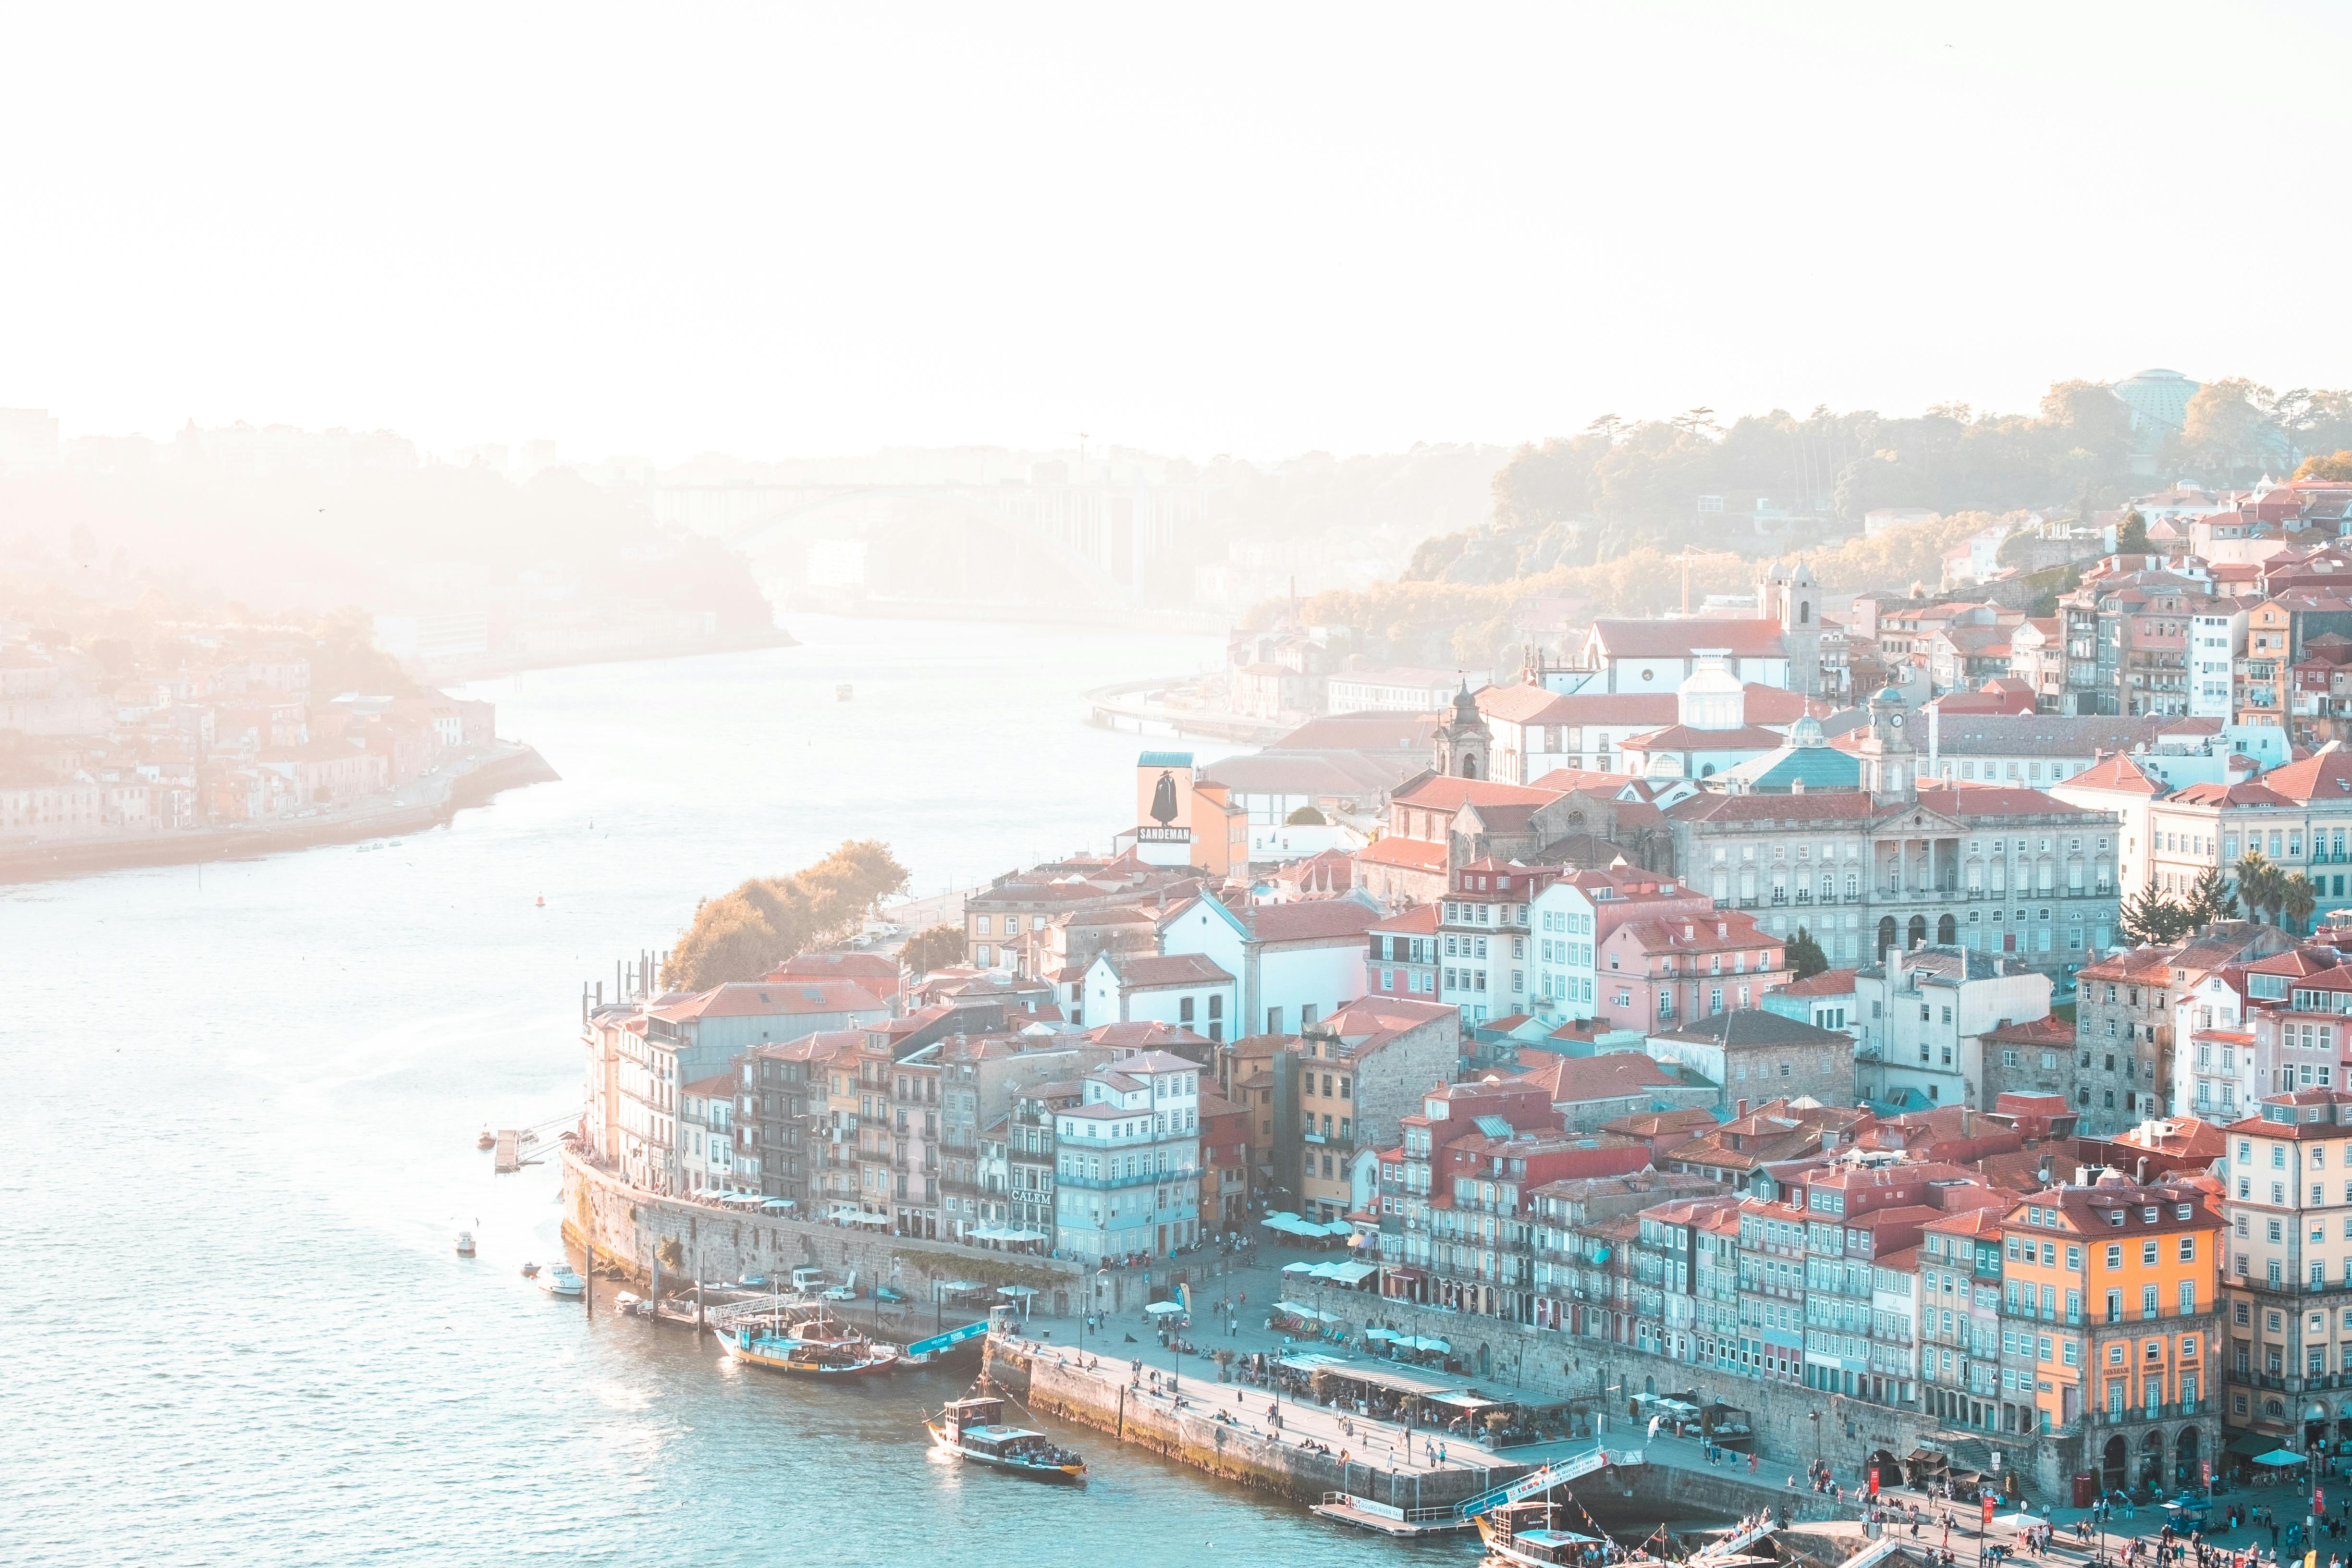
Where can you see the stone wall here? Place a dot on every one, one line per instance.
(629, 1227)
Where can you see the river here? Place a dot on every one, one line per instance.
(238, 1125)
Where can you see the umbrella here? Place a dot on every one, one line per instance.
(1298, 1267)
(1380, 1333)
(2280, 1456)
(1016, 1291)
(1157, 1308)
(2021, 1521)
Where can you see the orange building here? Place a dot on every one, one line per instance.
(2111, 1317)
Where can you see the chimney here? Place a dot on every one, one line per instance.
(1740, 1110)
(2081, 1175)
(2140, 1169)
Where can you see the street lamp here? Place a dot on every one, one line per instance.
(1817, 1442)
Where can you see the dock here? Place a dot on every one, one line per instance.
(1405, 1523)
(505, 1156)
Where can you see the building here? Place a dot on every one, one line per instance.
(1127, 1161)
(1404, 954)
(2111, 1318)
(2288, 1278)
(1290, 962)
(1397, 690)
(1924, 1017)
(1959, 1273)
(1750, 1053)
(1654, 973)
(1994, 867)
(1185, 989)
(1659, 656)
(706, 1135)
(1573, 915)
(1358, 1074)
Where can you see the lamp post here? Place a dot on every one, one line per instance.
(1817, 1441)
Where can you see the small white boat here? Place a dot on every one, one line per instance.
(841, 693)
(465, 1244)
(531, 1270)
(563, 1280)
(628, 1303)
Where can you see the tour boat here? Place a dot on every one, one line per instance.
(561, 1280)
(1522, 1533)
(975, 1429)
(814, 1351)
(465, 1244)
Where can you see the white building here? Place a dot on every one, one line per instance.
(1396, 690)
(1189, 990)
(1291, 963)
(707, 1135)
(1571, 915)
(1923, 1014)
(1127, 1176)
(2217, 639)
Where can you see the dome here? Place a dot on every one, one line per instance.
(1807, 731)
(1888, 694)
(1663, 765)
(1711, 697)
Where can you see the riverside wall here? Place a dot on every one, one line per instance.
(632, 1228)
(1552, 1363)
(511, 766)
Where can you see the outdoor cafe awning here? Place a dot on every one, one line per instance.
(2281, 1456)
(1159, 1307)
(1016, 1291)
(1299, 1267)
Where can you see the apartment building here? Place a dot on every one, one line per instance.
(2288, 1281)
(1925, 1013)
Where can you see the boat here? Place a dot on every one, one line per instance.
(531, 1270)
(752, 1281)
(975, 1429)
(486, 1140)
(629, 1304)
(465, 1244)
(815, 1350)
(842, 692)
(1523, 1533)
(561, 1280)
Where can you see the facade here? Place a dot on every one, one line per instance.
(1959, 1319)
(1127, 1165)
(1924, 1017)
(1404, 955)
(2111, 1317)
(1656, 974)
(1574, 914)
(2288, 1280)
(1750, 1055)
(1356, 1075)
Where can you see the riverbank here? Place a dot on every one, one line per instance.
(456, 672)
(1132, 708)
(473, 782)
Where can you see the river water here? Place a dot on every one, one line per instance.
(237, 1136)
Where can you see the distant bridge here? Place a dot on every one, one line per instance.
(1105, 537)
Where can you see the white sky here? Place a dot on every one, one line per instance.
(1258, 229)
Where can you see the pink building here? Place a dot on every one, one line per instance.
(1656, 974)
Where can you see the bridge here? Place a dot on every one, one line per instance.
(1104, 537)
(1543, 1478)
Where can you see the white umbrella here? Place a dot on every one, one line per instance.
(1157, 1308)
(1301, 1267)
(2021, 1521)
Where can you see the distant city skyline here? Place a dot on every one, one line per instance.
(781, 234)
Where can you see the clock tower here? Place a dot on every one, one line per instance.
(1889, 767)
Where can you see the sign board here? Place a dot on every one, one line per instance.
(1988, 1510)
(1163, 808)
(1873, 1480)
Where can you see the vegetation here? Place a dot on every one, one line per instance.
(2260, 885)
(2212, 898)
(2297, 899)
(2152, 920)
(2329, 465)
(1805, 956)
(1305, 816)
(744, 935)
(934, 947)
(2131, 534)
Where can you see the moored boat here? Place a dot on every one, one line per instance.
(465, 1244)
(843, 692)
(974, 1429)
(1522, 1533)
(816, 1351)
(561, 1280)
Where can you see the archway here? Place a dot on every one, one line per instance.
(1947, 930)
(1918, 931)
(2112, 1463)
(1650, 1385)
(2186, 1455)
(1885, 936)
(2151, 1459)
(1470, 765)
(1889, 1468)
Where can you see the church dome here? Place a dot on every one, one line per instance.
(1807, 731)
(1711, 697)
(1889, 694)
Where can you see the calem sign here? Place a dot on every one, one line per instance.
(1163, 807)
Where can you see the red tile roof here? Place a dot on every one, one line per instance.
(1444, 792)
(1680, 639)
(1828, 983)
(1311, 920)
(1405, 854)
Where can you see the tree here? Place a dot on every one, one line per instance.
(2298, 897)
(744, 933)
(1805, 956)
(2131, 534)
(935, 947)
(2151, 920)
(2335, 466)
(2259, 883)
(2212, 899)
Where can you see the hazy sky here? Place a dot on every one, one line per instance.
(807, 230)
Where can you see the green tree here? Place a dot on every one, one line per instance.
(935, 947)
(2259, 884)
(2298, 897)
(2151, 920)
(1805, 956)
(2212, 899)
(744, 933)
(2131, 534)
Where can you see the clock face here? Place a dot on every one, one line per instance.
(1897, 720)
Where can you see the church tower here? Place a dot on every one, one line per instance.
(1465, 747)
(1889, 767)
(1792, 596)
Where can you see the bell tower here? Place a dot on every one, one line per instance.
(1465, 747)
(1889, 767)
